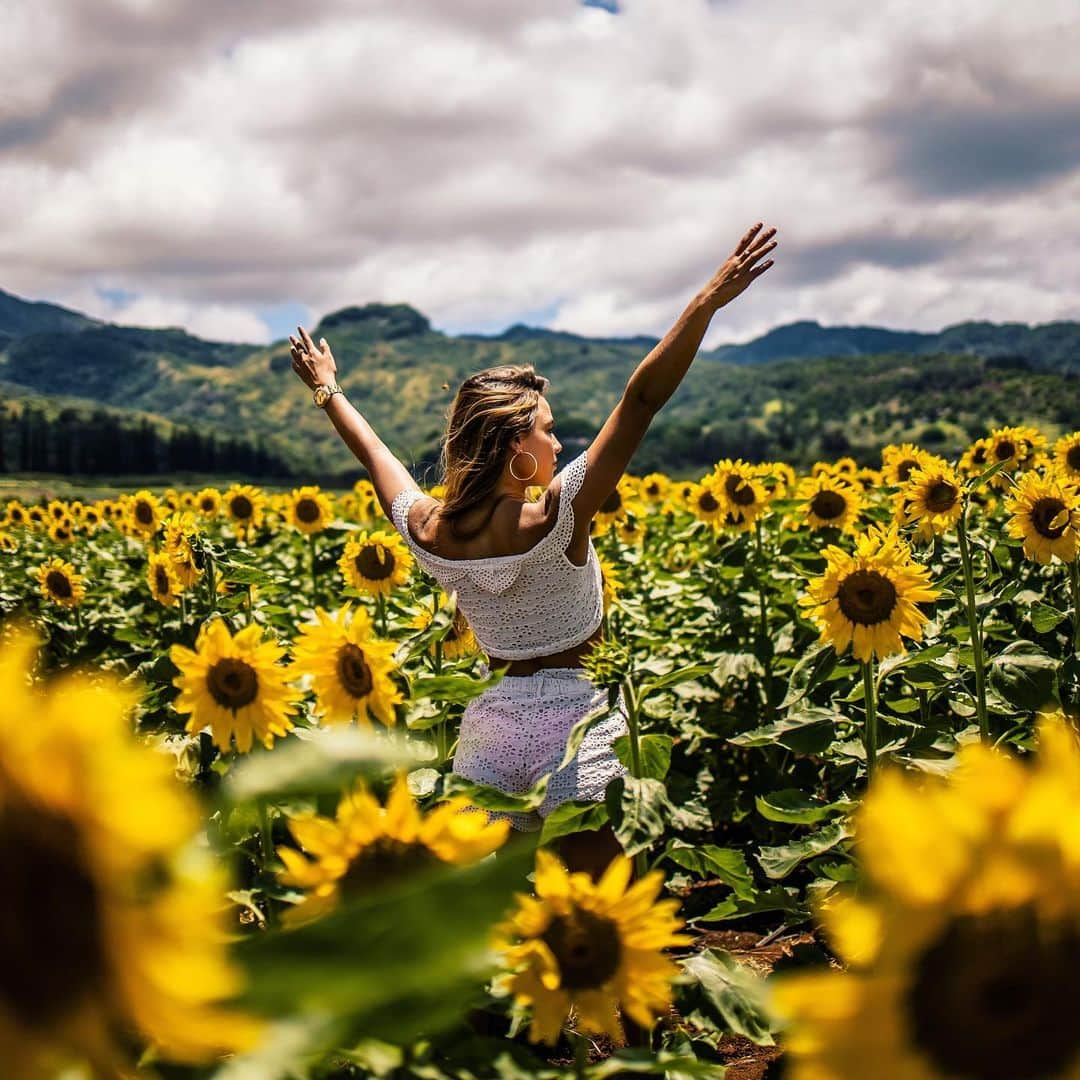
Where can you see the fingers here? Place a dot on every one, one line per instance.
(307, 339)
(747, 237)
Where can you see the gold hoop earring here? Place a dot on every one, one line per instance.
(536, 465)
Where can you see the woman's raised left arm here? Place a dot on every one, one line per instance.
(316, 367)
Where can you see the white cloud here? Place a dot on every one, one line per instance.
(483, 159)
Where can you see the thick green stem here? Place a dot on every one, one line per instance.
(763, 630)
(632, 703)
(581, 1055)
(380, 609)
(314, 575)
(211, 585)
(973, 625)
(870, 733)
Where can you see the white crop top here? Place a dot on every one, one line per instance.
(529, 604)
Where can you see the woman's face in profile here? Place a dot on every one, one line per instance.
(544, 444)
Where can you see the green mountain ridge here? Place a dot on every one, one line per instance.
(798, 391)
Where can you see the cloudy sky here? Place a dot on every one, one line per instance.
(238, 168)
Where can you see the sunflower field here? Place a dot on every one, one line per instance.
(233, 845)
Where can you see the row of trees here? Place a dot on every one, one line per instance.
(98, 443)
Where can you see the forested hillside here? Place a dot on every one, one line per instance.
(799, 392)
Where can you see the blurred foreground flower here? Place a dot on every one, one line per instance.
(963, 939)
(590, 945)
(367, 845)
(112, 925)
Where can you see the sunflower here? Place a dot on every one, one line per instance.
(829, 502)
(244, 504)
(621, 500)
(654, 487)
(612, 582)
(188, 501)
(112, 917)
(739, 487)
(144, 513)
(57, 510)
(591, 946)
(777, 478)
(630, 530)
(1045, 511)
(62, 531)
(37, 516)
(8, 543)
(350, 668)
(932, 497)
(165, 586)
(680, 556)
(15, 515)
(60, 583)
(309, 510)
(868, 599)
(1066, 456)
(868, 479)
(234, 685)
(208, 502)
(963, 937)
(705, 502)
(898, 461)
(180, 531)
(460, 639)
(376, 562)
(92, 518)
(1012, 445)
(366, 844)
(846, 466)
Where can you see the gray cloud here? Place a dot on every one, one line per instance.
(483, 159)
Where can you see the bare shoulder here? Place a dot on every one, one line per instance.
(513, 528)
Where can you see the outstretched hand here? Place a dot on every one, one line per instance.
(315, 365)
(739, 270)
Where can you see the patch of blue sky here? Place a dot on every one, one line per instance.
(283, 319)
(539, 317)
(607, 5)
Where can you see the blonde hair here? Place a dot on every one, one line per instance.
(490, 410)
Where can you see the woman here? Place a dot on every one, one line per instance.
(526, 574)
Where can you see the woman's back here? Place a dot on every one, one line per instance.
(526, 603)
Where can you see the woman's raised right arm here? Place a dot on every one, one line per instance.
(658, 376)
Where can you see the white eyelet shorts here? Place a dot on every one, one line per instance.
(516, 731)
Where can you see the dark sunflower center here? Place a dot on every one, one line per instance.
(828, 505)
(50, 920)
(903, 470)
(708, 503)
(307, 511)
(58, 512)
(612, 503)
(992, 998)
(1005, 450)
(58, 583)
(1072, 457)
(586, 946)
(144, 513)
(353, 671)
(941, 496)
(866, 597)
(232, 683)
(652, 489)
(386, 859)
(241, 507)
(374, 562)
(738, 491)
(979, 456)
(1043, 512)
(207, 505)
(161, 581)
(16, 516)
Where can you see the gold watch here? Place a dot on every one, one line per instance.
(325, 392)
